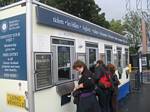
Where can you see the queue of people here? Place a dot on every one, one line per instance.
(97, 90)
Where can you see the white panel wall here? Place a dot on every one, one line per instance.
(12, 86)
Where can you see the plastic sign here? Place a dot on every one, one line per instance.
(65, 22)
(16, 100)
(13, 48)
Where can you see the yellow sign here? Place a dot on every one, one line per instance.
(16, 100)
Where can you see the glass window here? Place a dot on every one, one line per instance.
(119, 58)
(92, 56)
(64, 63)
(43, 76)
(126, 58)
(108, 56)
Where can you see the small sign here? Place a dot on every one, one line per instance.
(144, 61)
(16, 100)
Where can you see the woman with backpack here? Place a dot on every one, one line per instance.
(104, 86)
(116, 83)
(87, 101)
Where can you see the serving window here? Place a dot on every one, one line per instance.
(64, 57)
(91, 54)
(43, 70)
(64, 63)
(108, 54)
(119, 56)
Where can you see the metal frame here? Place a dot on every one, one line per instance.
(87, 52)
(56, 81)
(30, 56)
(106, 53)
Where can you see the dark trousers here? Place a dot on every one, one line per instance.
(114, 103)
(88, 104)
(114, 100)
(105, 100)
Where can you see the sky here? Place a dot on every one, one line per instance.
(116, 9)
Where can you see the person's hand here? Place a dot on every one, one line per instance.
(75, 88)
(79, 86)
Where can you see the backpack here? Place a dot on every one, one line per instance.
(106, 79)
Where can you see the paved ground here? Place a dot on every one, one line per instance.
(137, 101)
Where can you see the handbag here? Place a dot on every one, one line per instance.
(76, 95)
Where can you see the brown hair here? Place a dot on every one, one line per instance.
(111, 68)
(79, 63)
(100, 62)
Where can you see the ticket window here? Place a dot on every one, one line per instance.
(43, 70)
(108, 54)
(119, 57)
(64, 57)
(119, 62)
(91, 55)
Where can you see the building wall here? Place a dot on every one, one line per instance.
(7, 86)
(42, 43)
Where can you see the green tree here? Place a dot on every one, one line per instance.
(7, 2)
(116, 26)
(85, 9)
(132, 25)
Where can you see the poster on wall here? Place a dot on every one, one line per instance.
(13, 48)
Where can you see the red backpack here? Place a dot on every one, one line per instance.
(105, 79)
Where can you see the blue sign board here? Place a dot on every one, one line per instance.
(13, 48)
(65, 22)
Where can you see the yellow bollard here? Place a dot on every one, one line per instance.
(130, 68)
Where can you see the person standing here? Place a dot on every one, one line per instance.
(116, 83)
(87, 101)
(103, 86)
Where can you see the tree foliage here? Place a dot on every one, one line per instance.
(116, 26)
(85, 9)
(132, 25)
(7, 2)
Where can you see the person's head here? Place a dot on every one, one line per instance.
(99, 62)
(111, 68)
(79, 66)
